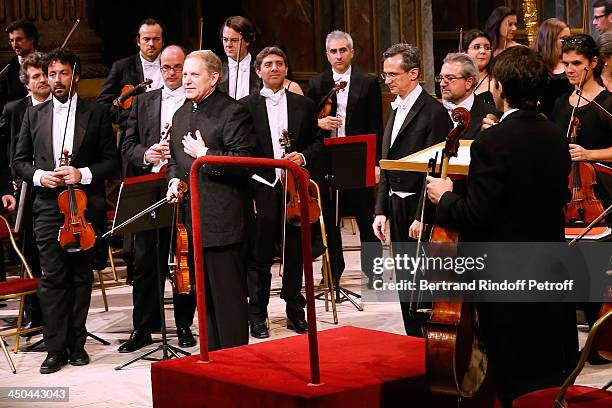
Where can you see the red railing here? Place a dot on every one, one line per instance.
(302, 180)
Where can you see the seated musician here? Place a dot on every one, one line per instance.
(212, 123)
(529, 345)
(65, 286)
(145, 151)
(273, 110)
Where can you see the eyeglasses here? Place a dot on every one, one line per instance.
(175, 68)
(596, 18)
(449, 78)
(478, 47)
(226, 40)
(391, 75)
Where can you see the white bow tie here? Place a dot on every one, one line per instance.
(170, 95)
(275, 98)
(232, 65)
(60, 108)
(449, 105)
(398, 103)
(147, 64)
(341, 77)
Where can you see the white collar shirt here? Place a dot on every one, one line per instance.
(467, 103)
(171, 101)
(244, 75)
(152, 70)
(342, 98)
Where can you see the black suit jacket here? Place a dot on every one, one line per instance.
(254, 80)
(505, 160)
(418, 131)
(11, 87)
(126, 71)
(302, 127)
(227, 129)
(363, 108)
(143, 130)
(93, 147)
(10, 125)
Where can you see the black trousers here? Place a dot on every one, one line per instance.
(145, 293)
(265, 235)
(358, 203)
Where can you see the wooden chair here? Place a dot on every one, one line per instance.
(569, 394)
(17, 288)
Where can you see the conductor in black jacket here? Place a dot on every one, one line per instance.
(356, 110)
(410, 128)
(530, 345)
(212, 123)
(23, 37)
(65, 286)
(275, 109)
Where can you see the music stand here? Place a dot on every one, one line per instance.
(130, 217)
(349, 164)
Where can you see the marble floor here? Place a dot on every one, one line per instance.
(99, 385)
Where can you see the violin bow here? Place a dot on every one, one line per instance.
(74, 26)
(201, 33)
(460, 38)
(69, 106)
(238, 65)
(579, 93)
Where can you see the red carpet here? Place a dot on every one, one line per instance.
(359, 368)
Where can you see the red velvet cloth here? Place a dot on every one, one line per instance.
(359, 368)
(577, 396)
(14, 286)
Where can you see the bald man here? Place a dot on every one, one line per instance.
(145, 151)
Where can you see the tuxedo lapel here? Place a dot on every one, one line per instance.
(353, 96)
(416, 108)
(254, 81)
(137, 69)
(261, 117)
(153, 111)
(387, 135)
(224, 82)
(43, 129)
(294, 118)
(81, 119)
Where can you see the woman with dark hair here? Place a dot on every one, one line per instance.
(477, 44)
(548, 45)
(594, 143)
(605, 49)
(501, 26)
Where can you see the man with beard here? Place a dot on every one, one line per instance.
(81, 129)
(23, 37)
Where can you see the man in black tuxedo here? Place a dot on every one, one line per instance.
(410, 128)
(135, 69)
(145, 151)
(23, 37)
(273, 110)
(356, 110)
(530, 345)
(35, 81)
(237, 35)
(212, 123)
(65, 286)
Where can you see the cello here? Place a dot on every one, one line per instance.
(455, 363)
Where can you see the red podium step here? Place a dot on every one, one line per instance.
(359, 368)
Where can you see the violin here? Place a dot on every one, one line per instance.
(76, 234)
(129, 92)
(292, 203)
(454, 362)
(584, 206)
(325, 105)
(179, 268)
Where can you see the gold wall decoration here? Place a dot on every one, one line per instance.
(530, 15)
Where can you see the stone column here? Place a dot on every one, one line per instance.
(427, 46)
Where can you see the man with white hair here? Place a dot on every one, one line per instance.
(212, 123)
(355, 110)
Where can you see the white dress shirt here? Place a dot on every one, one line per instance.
(506, 113)
(342, 99)
(171, 100)
(152, 70)
(467, 103)
(276, 106)
(36, 101)
(60, 111)
(402, 107)
(244, 76)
